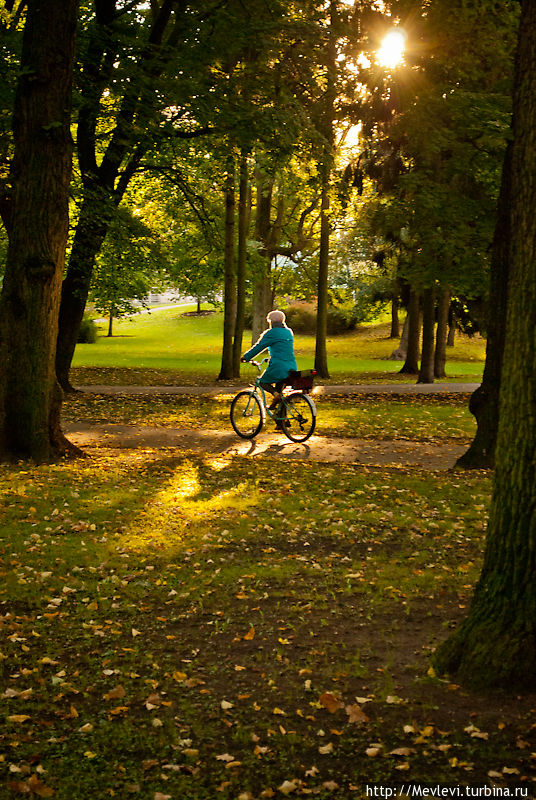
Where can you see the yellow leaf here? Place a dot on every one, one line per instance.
(179, 676)
(279, 711)
(326, 748)
(226, 705)
(18, 718)
(250, 635)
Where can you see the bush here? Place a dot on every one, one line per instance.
(301, 317)
(88, 331)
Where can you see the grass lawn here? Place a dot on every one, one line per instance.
(178, 626)
(166, 347)
(197, 627)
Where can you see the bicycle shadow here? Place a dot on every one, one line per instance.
(287, 449)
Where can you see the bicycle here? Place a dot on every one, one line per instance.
(295, 414)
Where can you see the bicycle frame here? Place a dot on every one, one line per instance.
(261, 394)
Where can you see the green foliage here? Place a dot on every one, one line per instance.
(128, 266)
(88, 331)
(436, 154)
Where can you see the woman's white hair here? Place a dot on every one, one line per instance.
(276, 316)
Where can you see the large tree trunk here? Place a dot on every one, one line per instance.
(440, 356)
(243, 224)
(30, 399)
(484, 402)
(411, 365)
(496, 645)
(229, 292)
(426, 371)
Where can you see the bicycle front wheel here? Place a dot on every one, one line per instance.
(246, 415)
(300, 420)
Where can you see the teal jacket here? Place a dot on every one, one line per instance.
(280, 342)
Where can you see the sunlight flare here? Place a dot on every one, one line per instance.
(391, 52)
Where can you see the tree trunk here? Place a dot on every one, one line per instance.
(395, 320)
(198, 309)
(496, 644)
(229, 292)
(400, 353)
(106, 176)
(30, 399)
(262, 288)
(440, 357)
(426, 372)
(321, 353)
(484, 402)
(110, 323)
(243, 224)
(327, 131)
(411, 365)
(91, 230)
(451, 337)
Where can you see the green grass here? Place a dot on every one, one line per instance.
(205, 626)
(165, 347)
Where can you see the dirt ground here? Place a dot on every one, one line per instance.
(386, 453)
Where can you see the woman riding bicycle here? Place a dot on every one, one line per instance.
(279, 340)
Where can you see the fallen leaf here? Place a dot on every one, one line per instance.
(355, 715)
(115, 694)
(329, 701)
(250, 635)
(287, 787)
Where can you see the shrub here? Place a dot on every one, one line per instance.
(301, 317)
(88, 331)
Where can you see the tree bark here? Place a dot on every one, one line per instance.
(440, 356)
(395, 320)
(262, 288)
(484, 402)
(243, 224)
(426, 371)
(451, 336)
(321, 353)
(229, 291)
(30, 399)
(496, 644)
(411, 365)
(400, 353)
(325, 167)
(105, 182)
(90, 232)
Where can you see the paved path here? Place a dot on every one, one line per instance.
(330, 389)
(370, 452)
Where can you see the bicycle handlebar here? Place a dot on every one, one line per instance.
(257, 363)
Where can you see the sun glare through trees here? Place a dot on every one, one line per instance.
(391, 52)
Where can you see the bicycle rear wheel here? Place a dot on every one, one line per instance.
(300, 417)
(246, 415)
